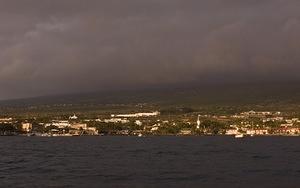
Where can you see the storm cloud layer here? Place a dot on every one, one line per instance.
(63, 46)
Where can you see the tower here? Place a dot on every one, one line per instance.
(198, 122)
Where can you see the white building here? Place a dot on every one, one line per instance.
(273, 119)
(277, 113)
(79, 126)
(138, 122)
(238, 116)
(198, 122)
(74, 117)
(6, 120)
(290, 130)
(61, 124)
(116, 120)
(257, 132)
(137, 115)
(154, 129)
(92, 131)
(287, 125)
(26, 127)
(232, 132)
(261, 131)
(185, 132)
(250, 132)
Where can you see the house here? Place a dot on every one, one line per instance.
(26, 127)
(79, 126)
(289, 130)
(257, 132)
(116, 120)
(74, 117)
(123, 132)
(277, 113)
(137, 132)
(60, 124)
(54, 131)
(286, 125)
(250, 132)
(138, 122)
(154, 129)
(273, 119)
(232, 132)
(91, 131)
(248, 113)
(264, 113)
(185, 132)
(75, 132)
(6, 120)
(238, 116)
(261, 131)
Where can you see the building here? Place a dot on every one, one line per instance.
(79, 126)
(238, 116)
(232, 132)
(6, 120)
(26, 127)
(156, 113)
(138, 123)
(250, 132)
(116, 120)
(74, 117)
(257, 132)
(91, 131)
(123, 132)
(185, 131)
(273, 119)
(261, 131)
(198, 122)
(154, 128)
(61, 124)
(286, 125)
(289, 131)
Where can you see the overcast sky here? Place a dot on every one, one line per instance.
(65, 46)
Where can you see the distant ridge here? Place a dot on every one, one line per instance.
(234, 94)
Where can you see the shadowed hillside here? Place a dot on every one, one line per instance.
(187, 96)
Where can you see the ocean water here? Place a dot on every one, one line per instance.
(150, 162)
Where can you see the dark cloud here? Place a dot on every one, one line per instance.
(61, 46)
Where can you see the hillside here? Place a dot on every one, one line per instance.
(240, 96)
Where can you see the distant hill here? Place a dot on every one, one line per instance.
(192, 95)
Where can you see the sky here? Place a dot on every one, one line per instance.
(69, 46)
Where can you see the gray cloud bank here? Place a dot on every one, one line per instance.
(62, 46)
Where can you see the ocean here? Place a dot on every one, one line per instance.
(111, 161)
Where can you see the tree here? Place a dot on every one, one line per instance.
(7, 129)
(213, 127)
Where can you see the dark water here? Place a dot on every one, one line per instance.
(150, 162)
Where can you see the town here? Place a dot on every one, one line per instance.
(250, 123)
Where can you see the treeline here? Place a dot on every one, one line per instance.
(8, 129)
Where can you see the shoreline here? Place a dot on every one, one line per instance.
(74, 136)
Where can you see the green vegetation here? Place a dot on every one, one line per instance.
(214, 127)
(7, 129)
